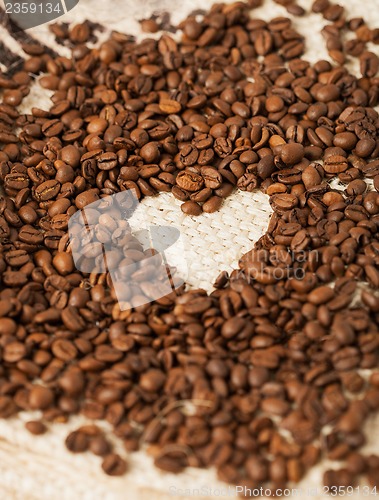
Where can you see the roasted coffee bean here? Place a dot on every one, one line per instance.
(114, 465)
(47, 190)
(171, 461)
(7, 325)
(149, 26)
(86, 198)
(72, 319)
(36, 427)
(152, 380)
(99, 446)
(14, 352)
(77, 442)
(63, 263)
(191, 208)
(107, 161)
(212, 204)
(52, 128)
(64, 350)
(189, 181)
(335, 164)
(369, 64)
(212, 178)
(40, 397)
(345, 140)
(202, 195)
(321, 295)
(263, 42)
(17, 258)
(292, 153)
(284, 201)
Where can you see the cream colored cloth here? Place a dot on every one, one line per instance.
(40, 468)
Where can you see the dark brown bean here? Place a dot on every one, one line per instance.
(114, 465)
(36, 427)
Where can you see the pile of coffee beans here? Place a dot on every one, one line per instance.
(266, 375)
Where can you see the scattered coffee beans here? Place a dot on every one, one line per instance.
(245, 379)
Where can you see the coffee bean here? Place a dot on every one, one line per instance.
(99, 446)
(149, 26)
(275, 406)
(72, 320)
(369, 64)
(257, 468)
(16, 181)
(7, 326)
(321, 295)
(152, 380)
(64, 350)
(47, 190)
(107, 161)
(327, 93)
(189, 181)
(345, 140)
(86, 198)
(14, 351)
(335, 164)
(191, 208)
(263, 42)
(171, 461)
(114, 465)
(77, 442)
(17, 258)
(292, 153)
(284, 201)
(212, 178)
(79, 33)
(70, 155)
(72, 382)
(202, 195)
(40, 397)
(212, 204)
(52, 128)
(36, 427)
(364, 147)
(63, 263)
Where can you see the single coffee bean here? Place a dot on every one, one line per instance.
(86, 198)
(64, 350)
(189, 181)
(191, 208)
(47, 190)
(99, 446)
(212, 204)
(40, 397)
(152, 380)
(77, 442)
(212, 178)
(321, 295)
(14, 351)
(369, 64)
(114, 465)
(335, 164)
(7, 326)
(70, 155)
(36, 427)
(292, 153)
(63, 263)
